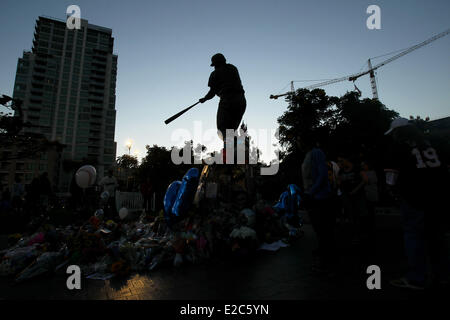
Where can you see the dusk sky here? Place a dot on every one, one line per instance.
(164, 50)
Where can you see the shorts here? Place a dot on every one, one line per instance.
(230, 112)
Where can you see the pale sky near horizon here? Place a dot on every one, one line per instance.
(164, 49)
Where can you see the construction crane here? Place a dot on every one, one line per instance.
(370, 71)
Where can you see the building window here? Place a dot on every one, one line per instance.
(4, 165)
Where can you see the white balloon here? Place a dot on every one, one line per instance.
(123, 212)
(91, 172)
(82, 179)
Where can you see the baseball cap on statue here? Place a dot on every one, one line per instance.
(218, 58)
(397, 123)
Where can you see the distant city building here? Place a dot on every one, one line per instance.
(68, 87)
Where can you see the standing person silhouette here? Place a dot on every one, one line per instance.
(423, 189)
(225, 82)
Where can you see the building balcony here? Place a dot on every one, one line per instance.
(95, 100)
(93, 156)
(36, 93)
(40, 71)
(97, 79)
(36, 85)
(95, 137)
(98, 72)
(33, 118)
(100, 52)
(98, 93)
(96, 88)
(97, 112)
(38, 77)
(100, 59)
(98, 65)
(95, 127)
(36, 101)
(34, 108)
(94, 150)
(94, 142)
(40, 62)
(96, 122)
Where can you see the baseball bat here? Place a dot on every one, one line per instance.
(180, 113)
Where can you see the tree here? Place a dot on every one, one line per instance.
(11, 125)
(345, 123)
(360, 125)
(127, 162)
(27, 144)
(157, 166)
(309, 112)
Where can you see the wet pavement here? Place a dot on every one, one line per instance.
(282, 275)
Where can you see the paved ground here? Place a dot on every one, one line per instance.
(281, 275)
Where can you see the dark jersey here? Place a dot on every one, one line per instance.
(225, 81)
(423, 178)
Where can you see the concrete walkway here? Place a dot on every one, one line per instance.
(284, 275)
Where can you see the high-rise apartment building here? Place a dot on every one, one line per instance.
(68, 87)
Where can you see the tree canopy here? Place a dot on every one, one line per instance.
(337, 123)
(27, 144)
(127, 162)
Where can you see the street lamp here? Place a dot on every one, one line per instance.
(129, 143)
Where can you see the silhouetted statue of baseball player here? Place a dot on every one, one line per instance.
(225, 82)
